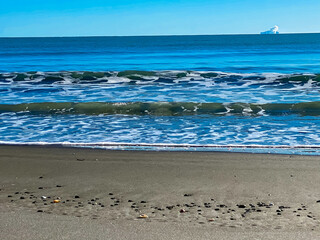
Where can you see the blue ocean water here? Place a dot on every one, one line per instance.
(254, 93)
(286, 53)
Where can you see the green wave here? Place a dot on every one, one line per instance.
(165, 108)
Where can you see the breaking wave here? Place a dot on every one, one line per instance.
(140, 77)
(165, 108)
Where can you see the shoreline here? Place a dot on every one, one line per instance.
(212, 193)
(171, 148)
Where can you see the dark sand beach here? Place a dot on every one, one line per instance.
(76, 193)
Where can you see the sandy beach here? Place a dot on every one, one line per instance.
(72, 193)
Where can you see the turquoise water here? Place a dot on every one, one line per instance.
(251, 93)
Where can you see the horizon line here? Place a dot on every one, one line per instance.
(160, 35)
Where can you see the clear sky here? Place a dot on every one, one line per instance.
(155, 17)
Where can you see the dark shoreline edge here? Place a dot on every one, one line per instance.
(177, 151)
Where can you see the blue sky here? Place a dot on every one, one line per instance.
(156, 17)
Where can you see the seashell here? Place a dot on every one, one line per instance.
(143, 216)
(56, 201)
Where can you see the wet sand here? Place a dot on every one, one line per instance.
(69, 193)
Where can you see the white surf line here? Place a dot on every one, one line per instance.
(166, 145)
(192, 145)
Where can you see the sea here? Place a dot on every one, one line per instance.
(231, 93)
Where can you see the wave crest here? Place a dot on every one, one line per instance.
(136, 77)
(165, 108)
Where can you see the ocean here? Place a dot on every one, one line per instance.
(241, 93)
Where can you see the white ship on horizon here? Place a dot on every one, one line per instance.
(273, 30)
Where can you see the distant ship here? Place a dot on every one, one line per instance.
(273, 30)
